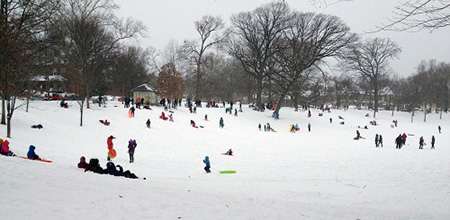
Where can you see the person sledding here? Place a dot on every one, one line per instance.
(38, 126)
(63, 104)
(229, 152)
(105, 122)
(163, 116)
(31, 154)
(94, 166)
(193, 124)
(112, 170)
(358, 135)
(208, 164)
(82, 164)
(4, 150)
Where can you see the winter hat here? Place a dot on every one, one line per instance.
(32, 147)
(82, 159)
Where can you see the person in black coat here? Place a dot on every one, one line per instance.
(399, 142)
(433, 140)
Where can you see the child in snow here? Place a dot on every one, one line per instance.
(5, 148)
(31, 154)
(148, 123)
(208, 164)
(82, 164)
(206, 117)
(132, 109)
(110, 145)
(171, 117)
(229, 152)
(221, 122)
(131, 147)
(421, 143)
(309, 127)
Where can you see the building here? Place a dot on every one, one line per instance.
(147, 92)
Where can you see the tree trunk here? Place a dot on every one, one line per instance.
(259, 88)
(197, 83)
(280, 101)
(375, 100)
(81, 112)
(425, 114)
(28, 103)
(3, 111)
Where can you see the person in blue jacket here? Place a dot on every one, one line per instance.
(31, 154)
(208, 164)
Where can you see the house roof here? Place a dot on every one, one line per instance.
(143, 88)
(50, 78)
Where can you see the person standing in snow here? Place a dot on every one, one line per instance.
(331, 120)
(380, 141)
(132, 109)
(221, 122)
(376, 140)
(358, 135)
(110, 145)
(309, 127)
(206, 117)
(404, 136)
(208, 164)
(433, 140)
(148, 123)
(259, 126)
(439, 128)
(421, 142)
(399, 142)
(131, 147)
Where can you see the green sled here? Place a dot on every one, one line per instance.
(227, 171)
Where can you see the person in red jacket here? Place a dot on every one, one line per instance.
(82, 164)
(110, 145)
(5, 149)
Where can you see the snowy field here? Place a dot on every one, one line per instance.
(322, 174)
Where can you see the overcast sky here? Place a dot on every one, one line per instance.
(174, 19)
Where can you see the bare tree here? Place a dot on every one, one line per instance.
(22, 33)
(89, 32)
(130, 68)
(410, 15)
(251, 40)
(370, 59)
(308, 40)
(208, 28)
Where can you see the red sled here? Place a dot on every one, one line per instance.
(40, 160)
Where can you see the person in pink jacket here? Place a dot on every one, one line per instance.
(5, 149)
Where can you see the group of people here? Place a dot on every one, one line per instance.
(378, 140)
(111, 168)
(4, 150)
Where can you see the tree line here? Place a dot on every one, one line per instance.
(272, 53)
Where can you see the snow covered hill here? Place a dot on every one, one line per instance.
(322, 174)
